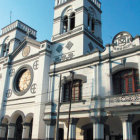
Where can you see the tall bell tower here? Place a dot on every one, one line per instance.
(76, 28)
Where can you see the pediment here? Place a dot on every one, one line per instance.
(27, 48)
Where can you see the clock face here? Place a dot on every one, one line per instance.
(24, 80)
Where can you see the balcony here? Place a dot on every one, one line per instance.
(131, 99)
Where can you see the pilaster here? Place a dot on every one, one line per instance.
(98, 127)
(127, 126)
(3, 129)
(50, 129)
(72, 132)
(11, 131)
(26, 131)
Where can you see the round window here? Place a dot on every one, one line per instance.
(23, 80)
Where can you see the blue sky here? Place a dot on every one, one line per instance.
(118, 15)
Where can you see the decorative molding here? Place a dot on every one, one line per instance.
(36, 65)
(122, 67)
(59, 48)
(11, 72)
(61, 37)
(125, 98)
(33, 88)
(9, 93)
(26, 51)
(69, 45)
(76, 76)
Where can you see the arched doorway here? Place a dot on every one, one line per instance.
(138, 133)
(30, 131)
(61, 134)
(88, 132)
(114, 128)
(18, 128)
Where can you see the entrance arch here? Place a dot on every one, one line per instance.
(4, 127)
(18, 128)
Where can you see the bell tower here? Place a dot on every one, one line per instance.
(76, 28)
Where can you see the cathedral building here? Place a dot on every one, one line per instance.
(71, 87)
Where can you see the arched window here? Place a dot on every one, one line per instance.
(18, 128)
(65, 24)
(92, 25)
(75, 89)
(72, 21)
(89, 21)
(126, 81)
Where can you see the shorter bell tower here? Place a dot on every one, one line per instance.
(76, 28)
(13, 35)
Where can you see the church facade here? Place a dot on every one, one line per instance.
(71, 87)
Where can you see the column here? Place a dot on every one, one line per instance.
(127, 126)
(72, 128)
(68, 24)
(11, 131)
(26, 131)
(50, 129)
(98, 128)
(3, 131)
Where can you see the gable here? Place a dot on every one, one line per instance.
(26, 49)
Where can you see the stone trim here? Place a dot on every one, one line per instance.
(21, 103)
(94, 59)
(126, 66)
(27, 58)
(19, 99)
(76, 32)
(76, 77)
(69, 34)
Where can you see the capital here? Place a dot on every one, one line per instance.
(127, 118)
(50, 122)
(99, 119)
